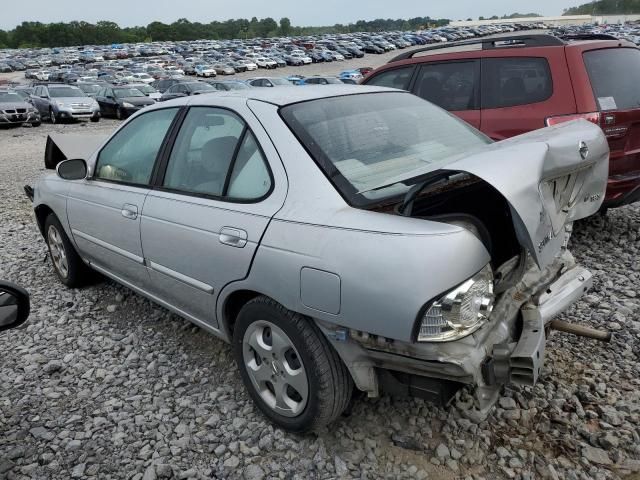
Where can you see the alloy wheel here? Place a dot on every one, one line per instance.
(275, 368)
(58, 252)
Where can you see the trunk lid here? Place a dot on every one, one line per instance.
(550, 177)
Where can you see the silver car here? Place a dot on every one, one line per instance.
(339, 237)
(59, 102)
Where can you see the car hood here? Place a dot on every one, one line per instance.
(14, 105)
(137, 100)
(65, 100)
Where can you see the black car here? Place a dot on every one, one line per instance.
(121, 102)
(186, 89)
(164, 83)
(227, 85)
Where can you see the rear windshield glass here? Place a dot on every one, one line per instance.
(373, 146)
(615, 77)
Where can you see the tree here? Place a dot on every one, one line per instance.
(285, 26)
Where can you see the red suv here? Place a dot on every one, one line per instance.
(506, 86)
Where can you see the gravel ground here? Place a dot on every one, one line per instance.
(104, 384)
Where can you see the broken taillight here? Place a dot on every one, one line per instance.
(593, 117)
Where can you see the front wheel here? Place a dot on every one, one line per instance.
(119, 114)
(68, 265)
(95, 119)
(292, 373)
(52, 116)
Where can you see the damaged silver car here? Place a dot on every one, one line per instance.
(338, 237)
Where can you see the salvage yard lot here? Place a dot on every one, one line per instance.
(104, 384)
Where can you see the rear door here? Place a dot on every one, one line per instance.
(519, 93)
(216, 192)
(453, 85)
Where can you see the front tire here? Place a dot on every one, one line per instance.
(68, 265)
(52, 116)
(292, 373)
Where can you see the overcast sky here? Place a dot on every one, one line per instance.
(301, 12)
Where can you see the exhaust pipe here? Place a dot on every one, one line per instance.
(580, 330)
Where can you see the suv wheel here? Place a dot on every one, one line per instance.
(291, 371)
(68, 265)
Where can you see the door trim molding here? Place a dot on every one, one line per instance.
(108, 246)
(192, 282)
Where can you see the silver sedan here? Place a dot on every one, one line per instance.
(339, 237)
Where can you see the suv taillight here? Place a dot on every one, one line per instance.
(593, 117)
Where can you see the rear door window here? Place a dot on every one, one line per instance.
(397, 78)
(509, 82)
(615, 77)
(450, 85)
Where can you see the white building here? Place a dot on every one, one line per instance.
(553, 21)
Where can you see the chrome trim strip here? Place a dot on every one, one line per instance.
(192, 282)
(108, 246)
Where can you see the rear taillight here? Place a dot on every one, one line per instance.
(593, 117)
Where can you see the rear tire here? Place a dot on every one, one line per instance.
(67, 264)
(298, 356)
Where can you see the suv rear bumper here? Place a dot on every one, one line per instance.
(622, 190)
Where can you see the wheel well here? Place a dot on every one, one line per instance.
(234, 304)
(42, 212)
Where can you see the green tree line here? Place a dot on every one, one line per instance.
(37, 34)
(606, 7)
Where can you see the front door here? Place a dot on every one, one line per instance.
(104, 210)
(202, 223)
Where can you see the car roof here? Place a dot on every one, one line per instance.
(282, 96)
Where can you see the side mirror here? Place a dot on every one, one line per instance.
(14, 306)
(74, 169)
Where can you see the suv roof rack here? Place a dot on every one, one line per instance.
(588, 36)
(540, 40)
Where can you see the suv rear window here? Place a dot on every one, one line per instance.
(615, 77)
(508, 82)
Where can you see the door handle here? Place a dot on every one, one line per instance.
(129, 211)
(234, 237)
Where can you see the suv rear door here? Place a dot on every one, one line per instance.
(519, 92)
(610, 81)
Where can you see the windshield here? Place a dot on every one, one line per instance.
(332, 80)
(145, 88)
(236, 86)
(196, 87)
(60, 92)
(127, 92)
(89, 88)
(279, 81)
(10, 97)
(370, 144)
(612, 91)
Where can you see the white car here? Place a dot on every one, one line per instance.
(306, 60)
(251, 65)
(263, 62)
(173, 70)
(141, 77)
(205, 71)
(42, 75)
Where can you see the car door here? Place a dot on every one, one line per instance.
(519, 93)
(104, 209)
(203, 221)
(453, 85)
(41, 100)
